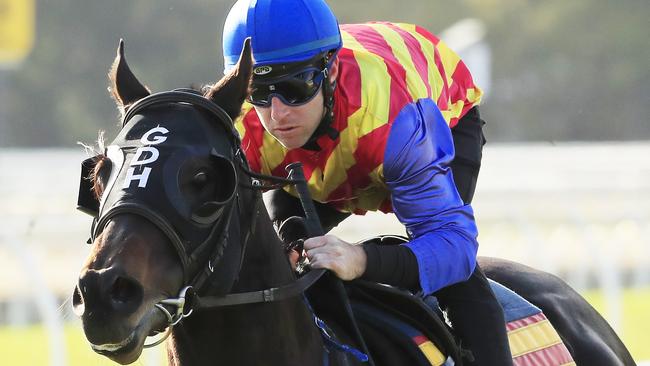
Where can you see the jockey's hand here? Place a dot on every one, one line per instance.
(347, 261)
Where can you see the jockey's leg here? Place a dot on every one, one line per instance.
(471, 306)
(477, 319)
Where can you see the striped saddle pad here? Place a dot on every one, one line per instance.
(533, 340)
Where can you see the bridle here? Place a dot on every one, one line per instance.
(188, 299)
(209, 241)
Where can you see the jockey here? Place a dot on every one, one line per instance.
(383, 116)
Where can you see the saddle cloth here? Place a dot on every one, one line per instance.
(533, 340)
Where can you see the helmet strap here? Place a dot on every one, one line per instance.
(325, 125)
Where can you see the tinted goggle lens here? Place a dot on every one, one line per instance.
(295, 89)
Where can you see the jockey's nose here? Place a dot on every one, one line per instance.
(279, 110)
(106, 290)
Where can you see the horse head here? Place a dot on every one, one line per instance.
(166, 201)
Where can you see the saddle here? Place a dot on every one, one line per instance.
(393, 323)
(396, 325)
(391, 318)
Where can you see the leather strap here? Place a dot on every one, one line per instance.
(180, 96)
(272, 294)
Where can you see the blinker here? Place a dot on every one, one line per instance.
(86, 200)
(210, 211)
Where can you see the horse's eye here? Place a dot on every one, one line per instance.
(200, 178)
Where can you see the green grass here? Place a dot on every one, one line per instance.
(635, 321)
(28, 346)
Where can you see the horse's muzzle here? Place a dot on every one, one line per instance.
(106, 292)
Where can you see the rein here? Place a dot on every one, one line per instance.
(272, 294)
(297, 178)
(188, 300)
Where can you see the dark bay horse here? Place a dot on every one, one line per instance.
(174, 205)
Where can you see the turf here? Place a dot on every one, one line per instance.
(28, 346)
(635, 321)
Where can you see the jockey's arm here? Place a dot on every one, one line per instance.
(416, 170)
(443, 232)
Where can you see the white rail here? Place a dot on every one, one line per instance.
(44, 299)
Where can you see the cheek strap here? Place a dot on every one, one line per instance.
(325, 124)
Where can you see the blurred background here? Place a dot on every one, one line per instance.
(564, 187)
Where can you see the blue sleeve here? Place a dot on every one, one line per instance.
(424, 196)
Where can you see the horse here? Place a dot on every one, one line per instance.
(182, 245)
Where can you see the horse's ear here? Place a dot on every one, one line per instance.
(125, 87)
(229, 92)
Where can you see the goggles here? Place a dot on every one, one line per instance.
(294, 89)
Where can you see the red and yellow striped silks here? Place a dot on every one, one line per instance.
(382, 68)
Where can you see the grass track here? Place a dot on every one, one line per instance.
(635, 321)
(27, 346)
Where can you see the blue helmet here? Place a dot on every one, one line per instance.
(281, 31)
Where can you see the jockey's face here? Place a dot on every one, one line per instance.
(291, 125)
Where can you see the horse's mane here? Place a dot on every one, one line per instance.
(98, 154)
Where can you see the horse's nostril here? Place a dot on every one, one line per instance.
(126, 290)
(78, 306)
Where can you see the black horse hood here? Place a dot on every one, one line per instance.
(155, 158)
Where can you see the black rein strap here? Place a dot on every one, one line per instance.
(293, 289)
(267, 295)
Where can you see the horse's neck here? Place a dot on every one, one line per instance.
(265, 263)
(277, 333)
(256, 334)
